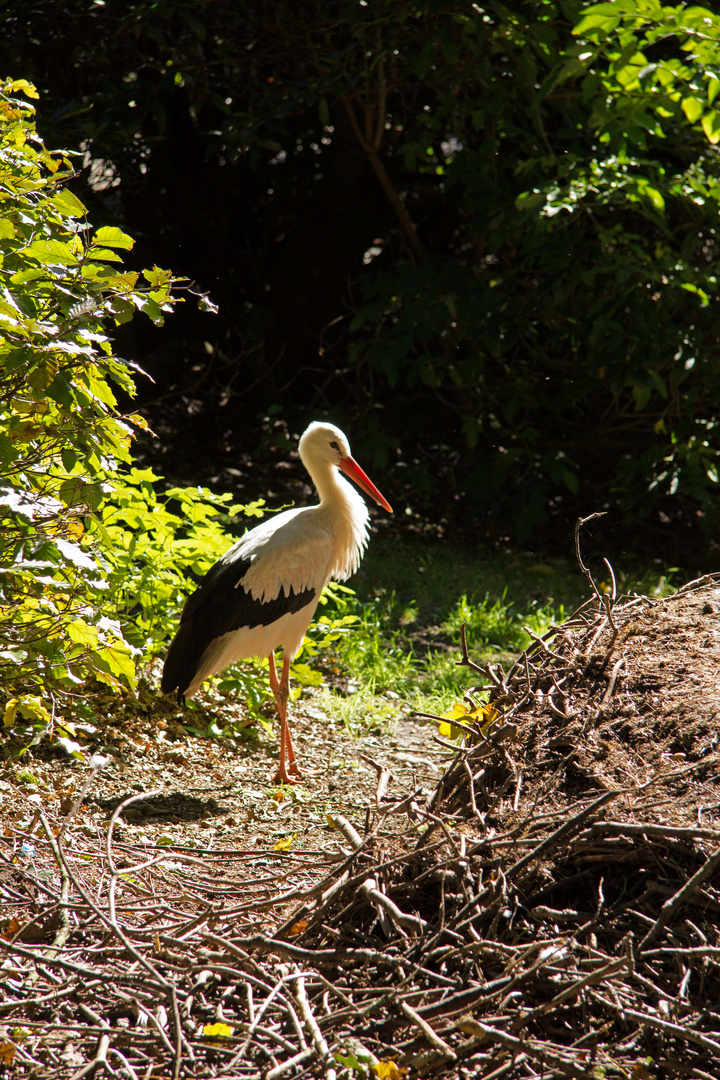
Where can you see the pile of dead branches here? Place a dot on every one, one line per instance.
(533, 918)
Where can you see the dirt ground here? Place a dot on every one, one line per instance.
(217, 793)
(664, 711)
(547, 905)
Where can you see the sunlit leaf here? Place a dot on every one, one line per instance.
(111, 236)
(75, 554)
(217, 1031)
(82, 632)
(51, 251)
(710, 124)
(600, 22)
(28, 707)
(389, 1070)
(25, 87)
(69, 204)
(693, 108)
(486, 715)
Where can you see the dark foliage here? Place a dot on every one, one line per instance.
(459, 230)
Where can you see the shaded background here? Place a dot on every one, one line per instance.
(426, 221)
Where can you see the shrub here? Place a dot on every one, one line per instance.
(62, 438)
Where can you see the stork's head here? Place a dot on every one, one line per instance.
(323, 446)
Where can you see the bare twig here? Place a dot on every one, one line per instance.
(432, 1037)
(680, 897)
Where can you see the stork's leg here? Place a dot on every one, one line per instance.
(281, 691)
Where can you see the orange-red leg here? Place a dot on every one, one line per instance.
(281, 690)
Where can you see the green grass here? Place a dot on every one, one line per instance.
(389, 641)
(410, 601)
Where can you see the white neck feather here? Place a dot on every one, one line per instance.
(347, 516)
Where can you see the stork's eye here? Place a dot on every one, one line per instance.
(334, 446)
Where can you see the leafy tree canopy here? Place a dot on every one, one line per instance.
(486, 233)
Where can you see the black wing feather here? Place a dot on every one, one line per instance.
(218, 606)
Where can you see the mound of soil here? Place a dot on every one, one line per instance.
(547, 905)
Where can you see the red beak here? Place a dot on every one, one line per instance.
(351, 468)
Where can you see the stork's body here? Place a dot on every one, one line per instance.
(261, 595)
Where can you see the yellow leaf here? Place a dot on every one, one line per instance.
(286, 844)
(486, 714)
(11, 712)
(218, 1031)
(299, 927)
(29, 708)
(450, 731)
(388, 1070)
(456, 711)
(27, 88)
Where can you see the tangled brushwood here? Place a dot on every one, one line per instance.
(551, 909)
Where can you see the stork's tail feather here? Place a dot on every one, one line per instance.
(180, 664)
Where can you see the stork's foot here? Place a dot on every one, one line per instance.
(292, 774)
(288, 771)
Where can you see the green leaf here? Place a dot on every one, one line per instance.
(158, 278)
(110, 236)
(151, 309)
(122, 310)
(69, 204)
(690, 287)
(711, 126)
(60, 391)
(600, 23)
(51, 251)
(10, 310)
(654, 196)
(28, 707)
(7, 229)
(82, 633)
(24, 276)
(117, 660)
(103, 254)
(693, 108)
(78, 492)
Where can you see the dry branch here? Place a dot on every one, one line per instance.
(495, 937)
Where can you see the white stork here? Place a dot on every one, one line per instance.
(263, 592)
